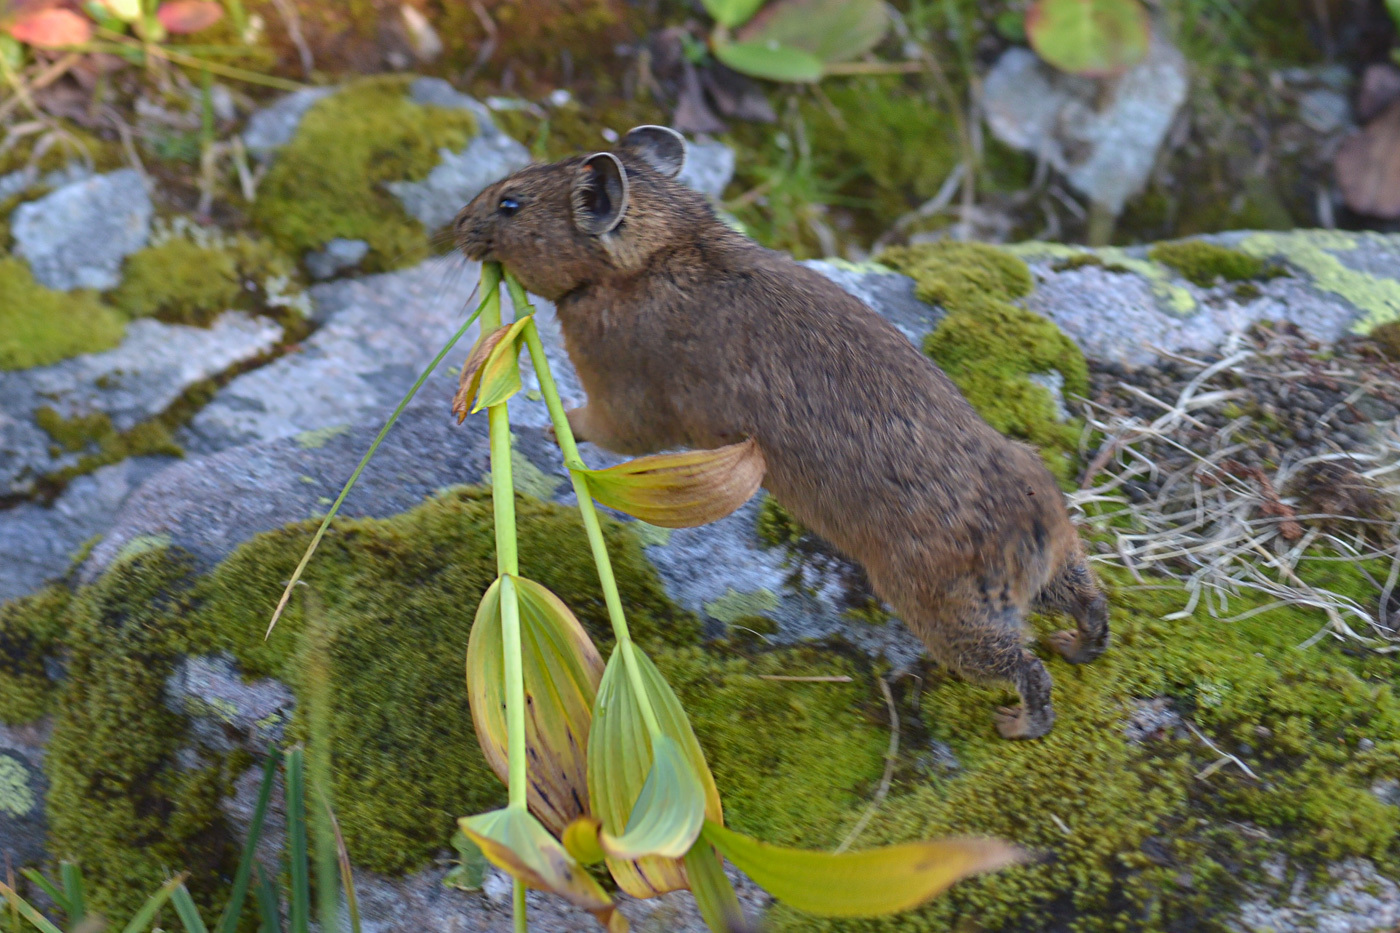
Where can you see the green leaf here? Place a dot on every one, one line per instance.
(27, 911)
(562, 669)
(1393, 7)
(667, 816)
(832, 30)
(714, 894)
(1093, 38)
(269, 910)
(771, 61)
(229, 922)
(731, 13)
(491, 373)
(681, 490)
(620, 762)
(869, 883)
(188, 913)
(518, 844)
(300, 913)
(470, 870)
(60, 900)
(73, 891)
(155, 902)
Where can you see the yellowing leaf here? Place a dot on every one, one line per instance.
(667, 816)
(682, 490)
(491, 373)
(126, 10)
(714, 894)
(620, 761)
(581, 840)
(869, 883)
(561, 669)
(515, 842)
(1093, 38)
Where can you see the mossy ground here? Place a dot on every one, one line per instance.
(990, 347)
(1203, 263)
(39, 326)
(329, 180)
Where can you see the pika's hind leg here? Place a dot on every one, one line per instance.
(986, 642)
(1074, 591)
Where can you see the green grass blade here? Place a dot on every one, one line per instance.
(26, 910)
(296, 836)
(147, 913)
(189, 914)
(354, 477)
(228, 923)
(49, 888)
(73, 890)
(269, 910)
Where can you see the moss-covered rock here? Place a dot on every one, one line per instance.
(329, 181)
(991, 348)
(1134, 837)
(124, 803)
(30, 630)
(186, 280)
(1203, 263)
(100, 443)
(39, 326)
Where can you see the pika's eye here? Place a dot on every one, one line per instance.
(508, 206)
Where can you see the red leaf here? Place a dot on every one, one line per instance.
(51, 29)
(183, 16)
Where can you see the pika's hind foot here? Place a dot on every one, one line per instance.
(1073, 648)
(1013, 722)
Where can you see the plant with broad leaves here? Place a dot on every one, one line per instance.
(794, 40)
(1093, 38)
(600, 760)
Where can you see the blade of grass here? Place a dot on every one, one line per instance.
(188, 913)
(347, 875)
(228, 923)
(147, 913)
(300, 915)
(27, 911)
(269, 910)
(48, 887)
(350, 483)
(73, 890)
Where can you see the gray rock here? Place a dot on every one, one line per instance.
(273, 126)
(22, 790)
(1355, 899)
(338, 255)
(77, 236)
(459, 176)
(1103, 135)
(225, 710)
(1324, 111)
(132, 383)
(709, 166)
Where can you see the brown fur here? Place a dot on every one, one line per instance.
(687, 334)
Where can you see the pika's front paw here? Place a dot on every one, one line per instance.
(1073, 649)
(1013, 722)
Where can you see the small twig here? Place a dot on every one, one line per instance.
(891, 755)
(815, 679)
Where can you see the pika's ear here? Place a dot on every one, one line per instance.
(600, 194)
(658, 146)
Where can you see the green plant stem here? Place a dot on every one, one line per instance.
(587, 510)
(507, 565)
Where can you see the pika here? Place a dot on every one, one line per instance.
(685, 333)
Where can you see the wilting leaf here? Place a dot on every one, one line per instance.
(1368, 166)
(731, 13)
(515, 842)
(581, 840)
(561, 671)
(770, 60)
(52, 29)
(620, 761)
(128, 11)
(714, 894)
(186, 16)
(682, 490)
(667, 816)
(1089, 37)
(491, 373)
(868, 883)
(832, 30)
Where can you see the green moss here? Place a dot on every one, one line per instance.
(96, 436)
(123, 803)
(39, 326)
(1133, 839)
(399, 595)
(30, 630)
(329, 180)
(185, 281)
(1202, 263)
(793, 761)
(733, 605)
(991, 347)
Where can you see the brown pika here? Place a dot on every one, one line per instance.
(686, 333)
